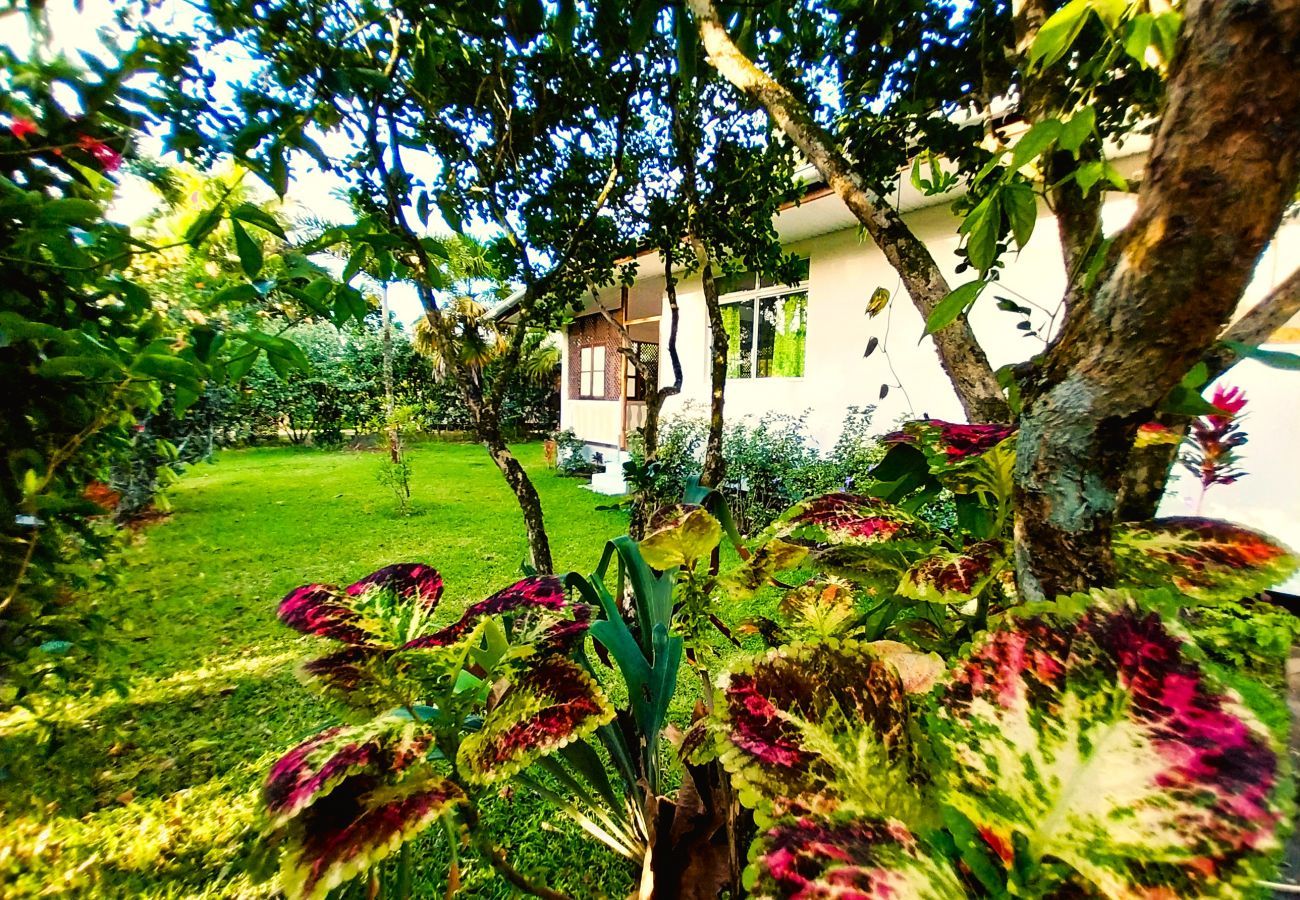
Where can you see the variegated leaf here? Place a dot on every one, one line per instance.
(761, 567)
(680, 535)
(953, 577)
(1104, 751)
(546, 706)
(1206, 559)
(820, 727)
(951, 442)
(824, 607)
(859, 859)
(381, 748)
(407, 580)
(362, 821)
(322, 610)
(537, 608)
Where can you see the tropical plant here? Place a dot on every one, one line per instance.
(1213, 439)
(1078, 752)
(453, 711)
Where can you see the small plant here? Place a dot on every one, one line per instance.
(1211, 453)
(396, 476)
(446, 714)
(395, 470)
(571, 455)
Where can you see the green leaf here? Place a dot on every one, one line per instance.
(680, 535)
(1137, 38)
(1077, 130)
(79, 366)
(250, 251)
(167, 368)
(355, 263)
(235, 293)
(1275, 359)
(256, 216)
(1034, 142)
(643, 22)
(1021, 207)
(1058, 33)
(983, 227)
(950, 307)
(204, 225)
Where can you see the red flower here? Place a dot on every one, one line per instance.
(108, 158)
(21, 128)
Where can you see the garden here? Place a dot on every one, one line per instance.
(303, 592)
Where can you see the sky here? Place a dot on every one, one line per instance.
(312, 193)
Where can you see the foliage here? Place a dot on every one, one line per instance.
(460, 707)
(1063, 753)
(771, 463)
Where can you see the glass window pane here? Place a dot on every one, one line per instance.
(738, 320)
(782, 335)
(585, 390)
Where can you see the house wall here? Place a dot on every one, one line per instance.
(846, 269)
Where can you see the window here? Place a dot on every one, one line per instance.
(766, 324)
(648, 353)
(592, 368)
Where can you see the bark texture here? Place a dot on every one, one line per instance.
(715, 464)
(960, 354)
(1222, 168)
(1149, 468)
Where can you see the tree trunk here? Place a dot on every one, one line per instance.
(715, 464)
(530, 504)
(1222, 168)
(394, 450)
(960, 354)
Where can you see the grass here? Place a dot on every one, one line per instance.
(153, 793)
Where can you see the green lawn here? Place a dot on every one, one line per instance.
(154, 794)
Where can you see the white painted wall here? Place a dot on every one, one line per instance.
(846, 269)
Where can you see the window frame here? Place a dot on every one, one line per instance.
(588, 371)
(754, 297)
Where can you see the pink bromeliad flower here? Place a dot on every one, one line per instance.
(1213, 441)
(108, 158)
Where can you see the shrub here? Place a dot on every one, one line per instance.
(771, 463)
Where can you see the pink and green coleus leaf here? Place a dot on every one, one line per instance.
(368, 612)
(347, 797)
(861, 537)
(539, 612)
(409, 581)
(853, 859)
(1206, 559)
(1103, 749)
(820, 727)
(946, 443)
(381, 748)
(545, 707)
(362, 821)
(954, 577)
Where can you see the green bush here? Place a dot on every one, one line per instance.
(771, 463)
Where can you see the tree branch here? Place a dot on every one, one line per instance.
(960, 354)
(1222, 169)
(1257, 325)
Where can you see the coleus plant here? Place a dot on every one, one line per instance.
(937, 588)
(454, 709)
(1079, 752)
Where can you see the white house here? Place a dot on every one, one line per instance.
(802, 348)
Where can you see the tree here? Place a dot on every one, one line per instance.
(1142, 307)
(501, 114)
